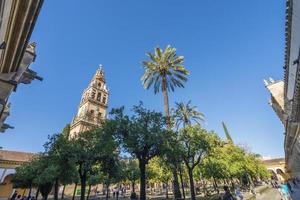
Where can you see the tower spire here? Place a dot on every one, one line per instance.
(92, 108)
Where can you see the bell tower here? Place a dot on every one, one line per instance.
(92, 108)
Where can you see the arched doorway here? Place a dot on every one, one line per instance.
(6, 187)
(280, 173)
(273, 174)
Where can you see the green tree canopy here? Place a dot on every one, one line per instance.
(195, 143)
(141, 135)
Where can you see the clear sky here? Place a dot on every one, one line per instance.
(229, 47)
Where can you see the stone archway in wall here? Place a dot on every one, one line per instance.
(6, 186)
(9, 160)
(281, 174)
(276, 167)
(273, 174)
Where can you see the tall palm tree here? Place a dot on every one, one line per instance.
(165, 71)
(185, 114)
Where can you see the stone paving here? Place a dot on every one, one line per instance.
(270, 194)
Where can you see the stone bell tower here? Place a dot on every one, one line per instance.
(92, 108)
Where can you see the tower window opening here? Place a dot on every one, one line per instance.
(93, 95)
(99, 96)
(104, 100)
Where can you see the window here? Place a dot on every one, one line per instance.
(99, 96)
(104, 100)
(93, 95)
(99, 84)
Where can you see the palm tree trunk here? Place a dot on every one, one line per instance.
(166, 103)
(176, 190)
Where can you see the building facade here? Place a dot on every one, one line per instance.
(276, 167)
(285, 95)
(17, 20)
(9, 160)
(92, 108)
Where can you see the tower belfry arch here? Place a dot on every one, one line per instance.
(93, 104)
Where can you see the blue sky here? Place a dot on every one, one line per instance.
(229, 47)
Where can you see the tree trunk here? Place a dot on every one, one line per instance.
(37, 193)
(96, 190)
(29, 193)
(89, 192)
(63, 192)
(166, 102)
(192, 187)
(74, 191)
(107, 192)
(167, 191)
(216, 185)
(45, 189)
(182, 184)
(232, 184)
(83, 185)
(176, 188)
(133, 186)
(56, 184)
(204, 188)
(142, 166)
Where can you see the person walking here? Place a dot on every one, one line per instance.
(114, 192)
(252, 190)
(117, 193)
(239, 194)
(133, 196)
(227, 195)
(284, 191)
(15, 194)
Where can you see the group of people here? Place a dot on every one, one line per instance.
(238, 193)
(17, 196)
(117, 191)
(228, 196)
(289, 188)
